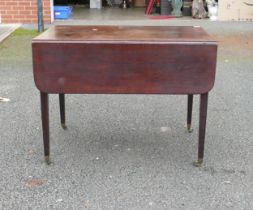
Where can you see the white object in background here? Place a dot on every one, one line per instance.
(4, 99)
(213, 11)
(52, 10)
(99, 4)
(95, 4)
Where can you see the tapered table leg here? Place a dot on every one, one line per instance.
(62, 110)
(45, 125)
(189, 113)
(202, 128)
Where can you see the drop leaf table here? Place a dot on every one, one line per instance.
(124, 60)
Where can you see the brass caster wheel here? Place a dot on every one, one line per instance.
(64, 126)
(47, 160)
(198, 163)
(189, 128)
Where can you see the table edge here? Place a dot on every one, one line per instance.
(123, 42)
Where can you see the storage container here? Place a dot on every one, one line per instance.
(62, 12)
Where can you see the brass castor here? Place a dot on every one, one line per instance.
(198, 163)
(64, 126)
(189, 128)
(47, 160)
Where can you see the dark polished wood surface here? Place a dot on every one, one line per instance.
(147, 60)
(124, 60)
(125, 34)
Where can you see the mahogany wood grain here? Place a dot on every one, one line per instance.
(45, 122)
(127, 68)
(124, 34)
(124, 60)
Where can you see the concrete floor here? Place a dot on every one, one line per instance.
(129, 152)
(7, 29)
(108, 13)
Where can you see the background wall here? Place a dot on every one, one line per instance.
(236, 10)
(23, 11)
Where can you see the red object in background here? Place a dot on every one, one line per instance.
(150, 6)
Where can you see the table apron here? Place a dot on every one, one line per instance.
(124, 68)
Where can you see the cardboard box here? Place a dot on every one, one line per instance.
(139, 3)
(236, 10)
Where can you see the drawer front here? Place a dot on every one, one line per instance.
(174, 68)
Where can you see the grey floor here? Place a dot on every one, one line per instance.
(108, 13)
(129, 152)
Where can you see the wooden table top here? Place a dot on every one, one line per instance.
(125, 34)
